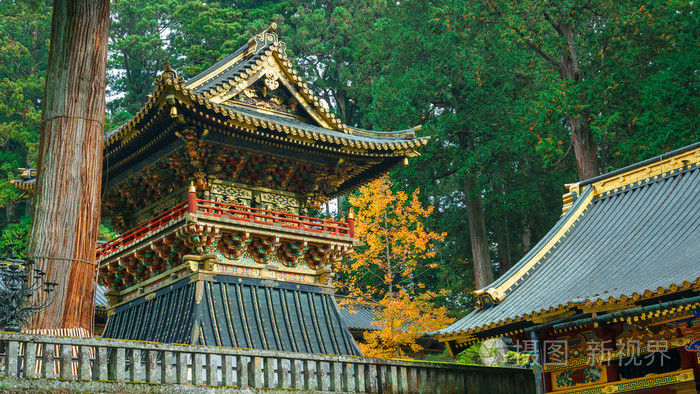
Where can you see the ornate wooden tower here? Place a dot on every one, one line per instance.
(211, 183)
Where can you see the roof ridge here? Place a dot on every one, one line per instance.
(261, 40)
(644, 163)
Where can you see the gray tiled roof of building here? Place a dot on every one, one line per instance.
(623, 243)
(100, 298)
(359, 316)
(237, 312)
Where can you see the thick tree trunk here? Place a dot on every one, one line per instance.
(581, 134)
(504, 255)
(67, 202)
(483, 274)
(525, 239)
(584, 147)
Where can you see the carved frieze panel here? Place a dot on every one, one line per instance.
(231, 195)
(279, 203)
(263, 94)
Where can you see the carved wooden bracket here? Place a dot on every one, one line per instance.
(263, 248)
(291, 253)
(199, 238)
(234, 245)
(318, 256)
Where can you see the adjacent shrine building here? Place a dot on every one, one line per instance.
(608, 300)
(211, 184)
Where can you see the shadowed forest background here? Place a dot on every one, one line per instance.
(519, 97)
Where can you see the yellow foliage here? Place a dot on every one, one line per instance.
(401, 323)
(390, 227)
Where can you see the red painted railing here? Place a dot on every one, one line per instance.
(230, 211)
(266, 217)
(141, 230)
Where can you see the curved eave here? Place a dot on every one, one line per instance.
(496, 292)
(28, 185)
(481, 332)
(636, 217)
(263, 52)
(168, 83)
(409, 133)
(229, 76)
(169, 94)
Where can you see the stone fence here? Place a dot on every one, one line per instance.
(106, 365)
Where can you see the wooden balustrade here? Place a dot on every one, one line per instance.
(267, 217)
(86, 364)
(234, 212)
(142, 230)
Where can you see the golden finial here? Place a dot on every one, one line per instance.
(193, 188)
(351, 214)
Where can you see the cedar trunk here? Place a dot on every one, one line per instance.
(483, 274)
(67, 202)
(581, 134)
(504, 255)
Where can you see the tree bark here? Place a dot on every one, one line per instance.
(67, 203)
(525, 238)
(504, 255)
(584, 147)
(483, 274)
(581, 134)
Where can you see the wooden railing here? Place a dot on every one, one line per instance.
(86, 364)
(230, 211)
(142, 230)
(266, 217)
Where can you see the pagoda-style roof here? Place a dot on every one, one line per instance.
(26, 182)
(251, 112)
(359, 315)
(630, 237)
(237, 312)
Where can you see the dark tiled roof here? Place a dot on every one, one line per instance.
(237, 312)
(622, 245)
(100, 298)
(378, 139)
(359, 316)
(214, 80)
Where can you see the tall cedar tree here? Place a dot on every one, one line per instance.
(67, 203)
(389, 266)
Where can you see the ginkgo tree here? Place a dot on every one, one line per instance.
(388, 266)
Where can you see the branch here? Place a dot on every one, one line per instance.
(549, 19)
(444, 175)
(537, 49)
(555, 165)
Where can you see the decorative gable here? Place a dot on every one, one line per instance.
(262, 76)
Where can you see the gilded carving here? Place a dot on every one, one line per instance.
(263, 248)
(279, 203)
(291, 253)
(318, 256)
(231, 195)
(271, 80)
(198, 237)
(234, 245)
